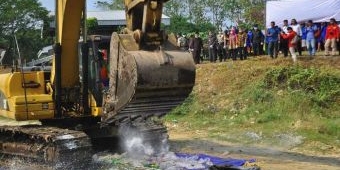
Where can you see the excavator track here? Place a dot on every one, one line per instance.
(45, 144)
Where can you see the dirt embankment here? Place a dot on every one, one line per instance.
(282, 128)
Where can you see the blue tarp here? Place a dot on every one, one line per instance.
(223, 162)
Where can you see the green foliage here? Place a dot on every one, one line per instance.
(202, 15)
(30, 43)
(91, 24)
(246, 13)
(331, 127)
(16, 15)
(259, 94)
(193, 10)
(111, 5)
(173, 8)
(254, 13)
(205, 27)
(185, 107)
(179, 24)
(322, 88)
(268, 117)
(3, 43)
(266, 99)
(24, 19)
(289, 93)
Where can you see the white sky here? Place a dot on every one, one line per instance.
(49, 4)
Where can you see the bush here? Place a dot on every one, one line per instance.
(268, 117)
(259, 94)
(323, 88)
(331, 127)
(185, 107)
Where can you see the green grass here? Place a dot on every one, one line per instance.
(268, 97)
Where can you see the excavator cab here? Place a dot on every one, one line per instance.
(98, 65)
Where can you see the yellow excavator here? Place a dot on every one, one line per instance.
(96, 85)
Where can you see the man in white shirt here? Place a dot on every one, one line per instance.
(297, 28)
(284, 42)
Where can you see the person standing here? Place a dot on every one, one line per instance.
(338, 42)
(241, 44)
(303, 36)
(322, 36)
(249, 42)
(257, 40)
(182, 42)
(226, 43)
(196, 47)
(284, 42)
(297, 29)
(311, 30)
(233, 44)
(104, 74)
(332, 36)
(292, 38)
(212, 46)
(220, 50)
(273, 34)
(190, 39)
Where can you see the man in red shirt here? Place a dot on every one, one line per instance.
(332, 37)
(291, 37)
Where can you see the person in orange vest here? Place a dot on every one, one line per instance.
(332, 37)
(104, 75)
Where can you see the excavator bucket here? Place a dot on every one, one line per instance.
(145, 83)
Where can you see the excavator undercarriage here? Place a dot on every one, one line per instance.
(45, 144)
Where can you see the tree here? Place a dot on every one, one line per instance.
(174, 8)
(180, 24)
(218, 10)
(254, 12)
(246, 13)
(233, 10)
(91, 24)
(112, 5)
(23, 18)
(214, 13)
(197, 11)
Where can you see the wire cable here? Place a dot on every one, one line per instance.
(22, 76)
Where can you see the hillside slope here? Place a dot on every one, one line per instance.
(265, 102)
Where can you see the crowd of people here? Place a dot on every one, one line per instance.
(237, 43)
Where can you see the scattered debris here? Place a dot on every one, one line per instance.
(253, 136)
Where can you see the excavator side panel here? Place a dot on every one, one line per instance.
(37, 104)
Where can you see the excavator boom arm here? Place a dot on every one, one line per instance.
(68, 24)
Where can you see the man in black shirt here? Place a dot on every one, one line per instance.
(196, 46)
